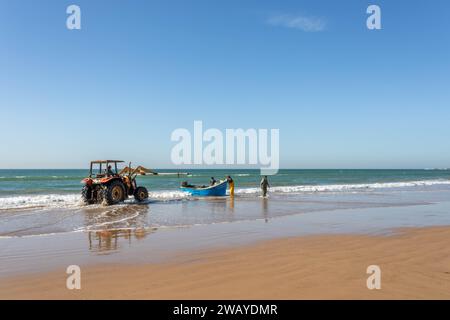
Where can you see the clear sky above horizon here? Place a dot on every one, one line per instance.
(342, 96)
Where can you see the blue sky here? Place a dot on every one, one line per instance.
(342, 96)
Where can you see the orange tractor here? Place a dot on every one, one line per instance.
(107, 185)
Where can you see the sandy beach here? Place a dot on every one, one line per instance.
(309, 246)
(415, 264)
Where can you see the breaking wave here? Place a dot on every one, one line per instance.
(168, 195)
(36, 201)
(348, 187)
(73, 200)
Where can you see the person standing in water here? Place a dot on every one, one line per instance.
(264, 186)
(231, 185)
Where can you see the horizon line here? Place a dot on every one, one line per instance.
(426, 169)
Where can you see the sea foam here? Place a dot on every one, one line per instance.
(347, 187)
(73, 200)
(45, 200)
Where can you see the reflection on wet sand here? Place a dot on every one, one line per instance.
(265, 209)
(108, 227)
(215, 205)
(116, 217)
(105, 241)
(111, 228)
(232, 204)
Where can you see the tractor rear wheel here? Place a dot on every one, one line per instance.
(114, 193)
(140, 194)
(86, 195)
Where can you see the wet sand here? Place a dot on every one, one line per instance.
(415, 264)
(254, 250)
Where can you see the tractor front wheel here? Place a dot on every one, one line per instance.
(140, 194)
(113, 193)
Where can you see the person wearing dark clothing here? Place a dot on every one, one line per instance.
(264, 186)
(109, 171)
(212, 181)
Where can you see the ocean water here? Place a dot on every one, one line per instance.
(44, 202)
(30, 188)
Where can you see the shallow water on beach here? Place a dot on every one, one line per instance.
(45, 230)
(40, 202)
(189, 211)
(37, 254)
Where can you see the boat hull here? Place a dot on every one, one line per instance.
(218, 190)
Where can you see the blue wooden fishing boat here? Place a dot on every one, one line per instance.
(217, 190)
